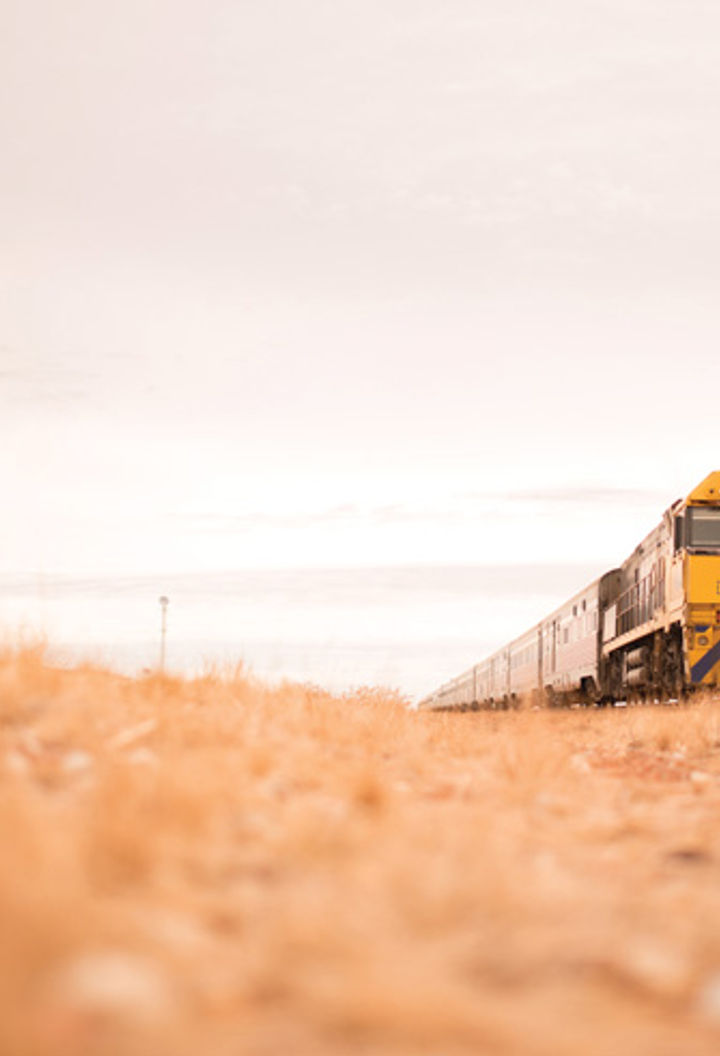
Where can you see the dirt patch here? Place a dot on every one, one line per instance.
(215, 866)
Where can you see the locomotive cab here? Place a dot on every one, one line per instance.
(697, 548)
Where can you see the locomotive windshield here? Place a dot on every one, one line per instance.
(703, 528)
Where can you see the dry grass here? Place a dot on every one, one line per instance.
(212, 866)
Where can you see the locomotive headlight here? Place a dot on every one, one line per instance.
(702, 639)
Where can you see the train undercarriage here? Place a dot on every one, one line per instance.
(651, 667)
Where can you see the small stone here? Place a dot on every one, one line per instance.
(30, 744)
(76, 762)
(708, 999)
(116, 984)
(700, 777)
(142, 757)
(178, 931)
(655, 967)
(16, 762)
(579, 763)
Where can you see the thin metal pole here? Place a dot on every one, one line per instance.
(164, 602)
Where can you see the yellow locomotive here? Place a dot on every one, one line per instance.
(650, 628)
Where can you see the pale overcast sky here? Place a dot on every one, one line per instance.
(301, 282)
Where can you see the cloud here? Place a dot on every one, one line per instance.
(29, 380)
(425, 585)
(589, 496)
(255, 520)
(468, 505)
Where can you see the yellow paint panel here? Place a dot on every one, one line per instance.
(707, 491)
(702, 579)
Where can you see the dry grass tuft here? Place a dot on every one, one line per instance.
(216, 866)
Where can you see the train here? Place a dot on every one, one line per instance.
(649, 629)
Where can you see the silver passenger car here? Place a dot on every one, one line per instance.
(552, 661)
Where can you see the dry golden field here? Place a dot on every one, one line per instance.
(215, 867)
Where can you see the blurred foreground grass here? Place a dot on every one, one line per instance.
(214, 866)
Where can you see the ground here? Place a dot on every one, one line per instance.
(215, 866)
